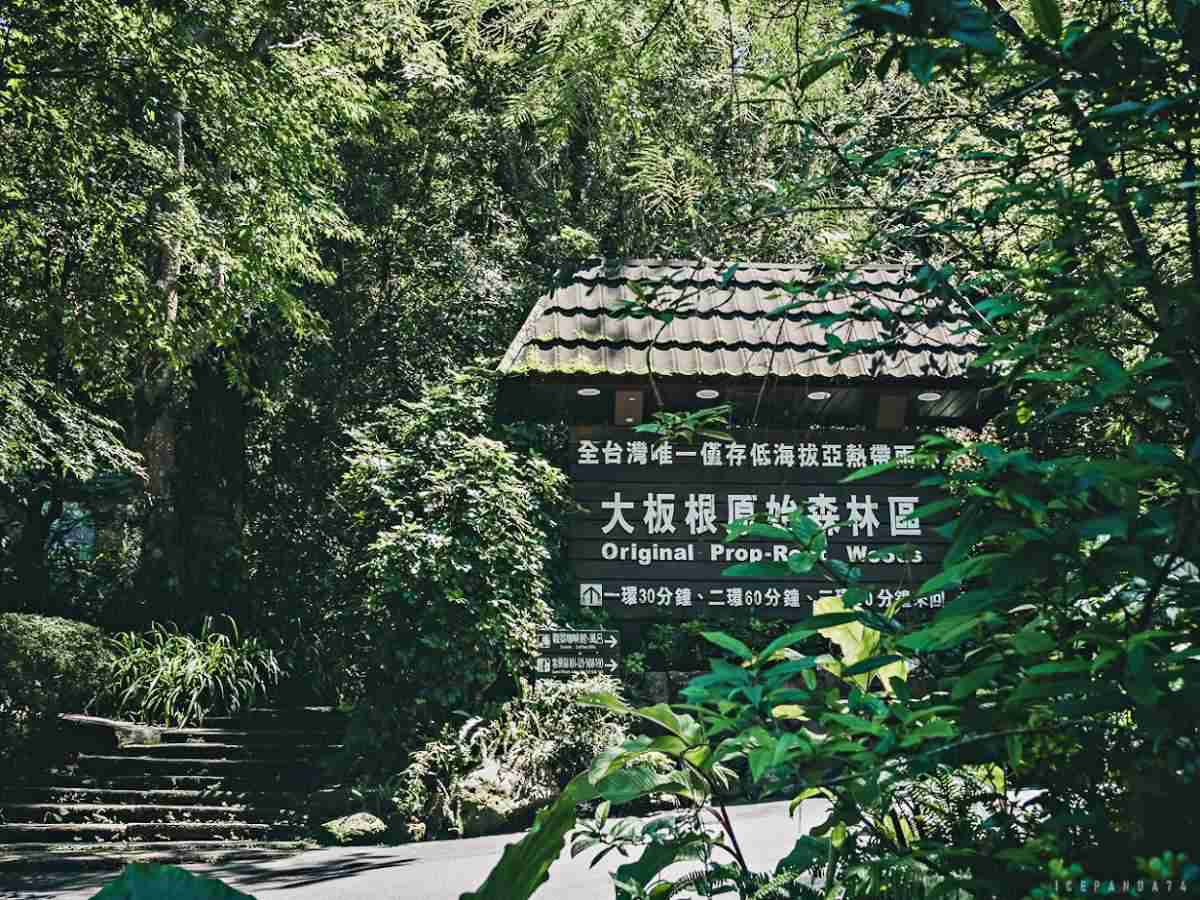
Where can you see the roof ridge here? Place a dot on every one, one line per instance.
(792, 315)
(743, 343)
(667, 262)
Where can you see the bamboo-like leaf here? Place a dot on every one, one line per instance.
(1049, 18)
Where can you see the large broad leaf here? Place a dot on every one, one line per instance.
(682, 726)
(151, 881)
(637, 781)
(525, 865)
(858, 643)
(655, 858)
(795, 636)
(727, 642)
(855, 640)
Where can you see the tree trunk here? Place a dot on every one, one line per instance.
(31, 568)
(210, 495)
(160, 573)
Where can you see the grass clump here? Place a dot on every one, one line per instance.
(167, 677)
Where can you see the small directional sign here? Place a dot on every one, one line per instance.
(566, 651)
(575, 665)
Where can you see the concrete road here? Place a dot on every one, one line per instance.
(436, 870)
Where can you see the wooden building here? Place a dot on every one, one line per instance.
(582, 359)
(823, 380)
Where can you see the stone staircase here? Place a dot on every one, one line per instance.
(128, 791)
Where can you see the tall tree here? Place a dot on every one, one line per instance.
(170, 171)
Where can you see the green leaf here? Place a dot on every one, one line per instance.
(870, 471)
(938, 728)
(919, 59)
(795, 636)
(757, 570)
(975, 679)
(855, 724)
(829, 620)
(1060, 668)
(682, 726)
(1049, 19)
(870, 665)
(656, 857)
(668, 744)
(801, 563)
(606, 701)
(818, 70)
(787, 669)
(807, 851)
(633, 782)
(1121, 110)
(981, 39)
(760, 761)
(525, 865)
(929, 510)
(151, 881)
(727, 642)
(1031, 641)
(769, 531)
(959, 572)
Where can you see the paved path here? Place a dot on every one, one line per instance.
(436, 870)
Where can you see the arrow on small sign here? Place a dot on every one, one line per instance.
(612, 640)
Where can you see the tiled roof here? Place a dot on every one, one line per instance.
(723, 328)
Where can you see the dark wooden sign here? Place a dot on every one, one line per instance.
(650, 542)
(570, 651)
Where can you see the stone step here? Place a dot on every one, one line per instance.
(211, 750)
(147, 766)
(160, 797)
(172, 782)
(105, 855)
(306, 718)
(86, 832)
(103, 813)
(283, 736)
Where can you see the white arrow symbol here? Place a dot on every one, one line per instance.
(612, 665)
(612, 640)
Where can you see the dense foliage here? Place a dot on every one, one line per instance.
(458, 532)
(494, 773)
(47, 666)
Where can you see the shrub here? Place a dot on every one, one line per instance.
(457, 534)
(530, 750)
(47, 666)
(165, 676)
(547, 737)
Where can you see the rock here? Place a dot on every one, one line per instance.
(657, 686)
(331, 802)
(138, 734)
(357, 828)
(493, 799)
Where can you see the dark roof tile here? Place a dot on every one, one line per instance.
(722, 326)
